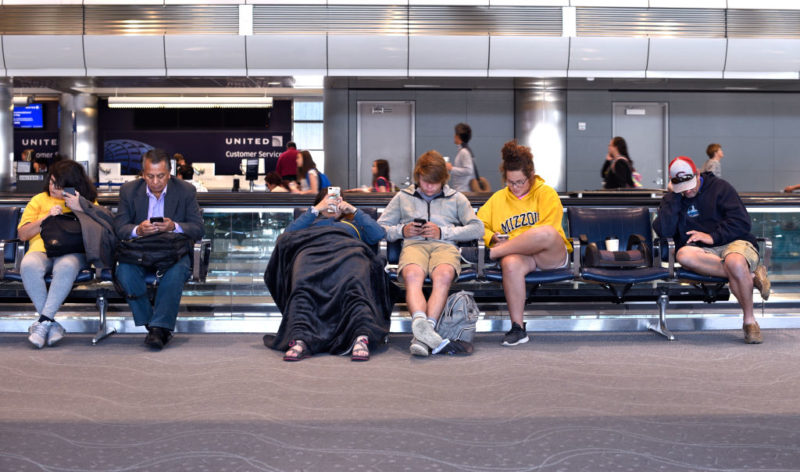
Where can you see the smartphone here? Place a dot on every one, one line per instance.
(501, 237)
(334, 193)
(420, 221)
(157, 219)
(69, 190)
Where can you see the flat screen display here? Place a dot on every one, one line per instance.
(30, 116)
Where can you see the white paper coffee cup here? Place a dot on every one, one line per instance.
(612, 244)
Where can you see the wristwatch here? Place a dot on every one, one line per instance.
(313, 211)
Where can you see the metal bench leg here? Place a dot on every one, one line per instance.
(661, 327)
(102, 331)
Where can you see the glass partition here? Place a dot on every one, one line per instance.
(243, 240)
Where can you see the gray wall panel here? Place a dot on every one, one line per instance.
(489, 113)
(758, 132)
(336, 143)
(786, 154)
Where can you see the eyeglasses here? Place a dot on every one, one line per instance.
(681, 178)
(517, 183)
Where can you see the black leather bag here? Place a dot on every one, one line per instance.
(158, 251)
(62, 235)
(636, 256)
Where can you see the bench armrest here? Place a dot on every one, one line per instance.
(765, 251)
(383, 249)
(200, 255)
(576, 257)
(481, 255)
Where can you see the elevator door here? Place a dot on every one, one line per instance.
(644, 127)
(385, 131)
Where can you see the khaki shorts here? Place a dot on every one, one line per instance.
(745, 248)
(428, 255)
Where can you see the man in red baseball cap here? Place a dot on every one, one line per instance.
(711, 229)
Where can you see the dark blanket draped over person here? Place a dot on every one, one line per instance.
(330, 288)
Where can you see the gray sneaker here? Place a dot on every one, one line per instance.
(418, 349)
(425, 333)
(55, 333)
(38, 333)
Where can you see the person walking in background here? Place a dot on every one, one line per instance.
(713, 164)
(430, 217)
(67, 189)
(618, 170)
(287, 163)
(711, 229)
(462, 169)
(522, 228)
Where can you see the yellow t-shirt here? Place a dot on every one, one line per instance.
(38, 208)
(505, 213)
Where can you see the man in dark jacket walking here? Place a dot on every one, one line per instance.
(711, 228)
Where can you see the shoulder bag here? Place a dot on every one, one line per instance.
(478, 184)
(158, 251)
(62, 235)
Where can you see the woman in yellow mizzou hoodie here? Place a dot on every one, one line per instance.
(522, 228)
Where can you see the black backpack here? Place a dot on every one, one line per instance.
(62, 235)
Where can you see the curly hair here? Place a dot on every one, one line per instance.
(69, 173)
(516, 157)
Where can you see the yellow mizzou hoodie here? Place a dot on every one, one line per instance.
(505, 213)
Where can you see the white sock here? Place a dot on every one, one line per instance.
(418, 314)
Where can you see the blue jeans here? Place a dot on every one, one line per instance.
(168, 294)
(65, 269)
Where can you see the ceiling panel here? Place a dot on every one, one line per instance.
(286, 54)
(108, 55)
(525, 56)
(213, 55)
(44, 55)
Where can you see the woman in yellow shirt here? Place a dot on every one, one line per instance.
(522, 224)
(36, 264)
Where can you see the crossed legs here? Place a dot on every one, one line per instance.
(734, 267)
(541, 247)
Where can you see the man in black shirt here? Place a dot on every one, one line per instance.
(711, 228)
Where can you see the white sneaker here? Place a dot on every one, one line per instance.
(418, 349)
(425, 333)
(55, 333)
(38, 333)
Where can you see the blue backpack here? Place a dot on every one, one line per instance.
(324, 181)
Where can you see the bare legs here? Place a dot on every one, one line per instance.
(539, 247)
(734, 267)
(413, 277)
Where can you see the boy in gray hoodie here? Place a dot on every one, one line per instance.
(430, 217)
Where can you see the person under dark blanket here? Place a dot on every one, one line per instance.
(329, 284)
